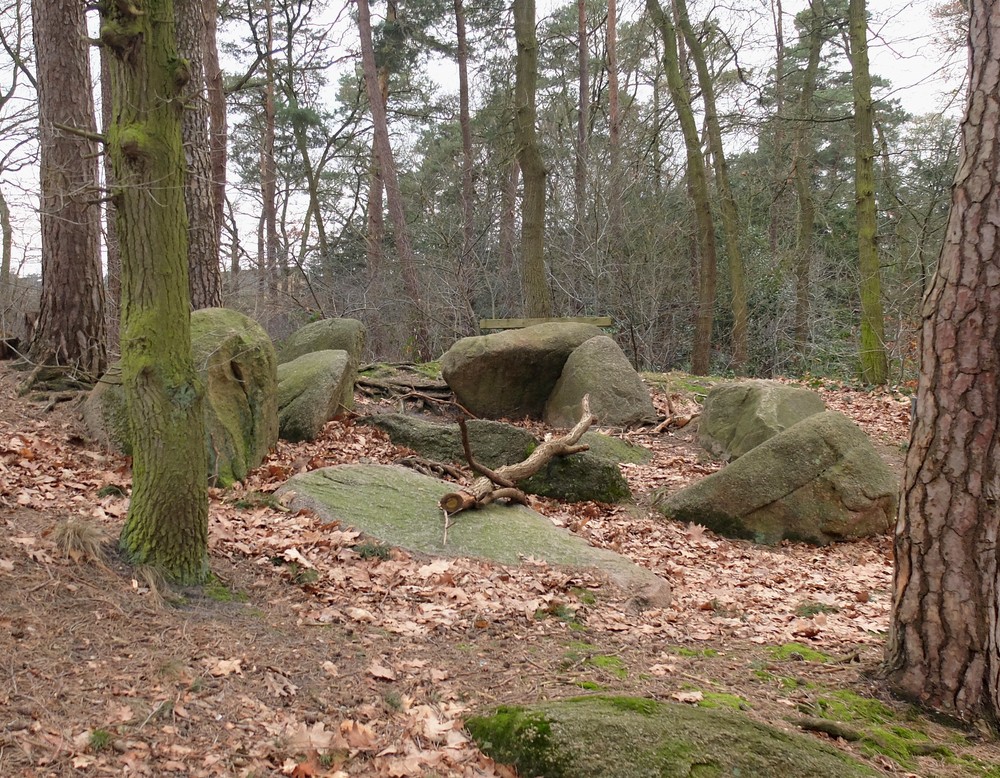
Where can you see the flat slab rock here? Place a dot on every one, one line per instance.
(400, 507)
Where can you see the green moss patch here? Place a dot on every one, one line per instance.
(719, 700)
(604, 736)
(610, 664)
(797, 652)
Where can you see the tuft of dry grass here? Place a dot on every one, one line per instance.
(81, 541)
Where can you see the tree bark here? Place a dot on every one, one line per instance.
(380, 128)
(167, 522)
(113, 258)
(803, 158)
(7, 240)
(71, 329)
(944, 642)
(205, 278)
(701, 350)
(874, 364)
(730, 214)
(538, 298)
(582, 126)
(465, 270)
(218, 131)
(268, 167)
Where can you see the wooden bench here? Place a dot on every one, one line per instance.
(516, 324)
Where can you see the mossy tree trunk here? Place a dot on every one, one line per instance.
(167, 523)
(944, 641)
(701, 350)
(538, 299)
(71, 329)
(874, 365)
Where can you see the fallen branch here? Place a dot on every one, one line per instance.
(502, 483)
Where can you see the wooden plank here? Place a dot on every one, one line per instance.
(515, 324)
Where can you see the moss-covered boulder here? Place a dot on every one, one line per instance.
(347, 335)
(235, 359)
(312, 389)
(600, 369)
(589, 475)
(735, 417)
(819, 481)
(511, 374)
(629, 737)
(400, 507)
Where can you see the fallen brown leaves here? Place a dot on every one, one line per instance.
(348, 663)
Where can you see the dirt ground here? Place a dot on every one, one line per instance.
(318, 653)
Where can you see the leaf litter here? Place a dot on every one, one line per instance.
(311, 658)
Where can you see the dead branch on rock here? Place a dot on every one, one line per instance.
(675, 422)
(484, 490)
(431, 467)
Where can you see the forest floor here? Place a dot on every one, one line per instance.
(314, 653)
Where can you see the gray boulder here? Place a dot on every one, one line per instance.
(511, 374)
(738, 416)
(819, 481)
(347, 335)
(589, 475)
(312, 389)
(618, 397)
(235, 360)
(400, 507)
(636, 737)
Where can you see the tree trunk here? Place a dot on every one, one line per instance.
(803, 158)
(538, 299)
(218, 132)
(203, 237)
(71, 328)
(775, 211)
(113, 297)
(874, 365)
(582, 127)
(268, 167)
(944, 642)
(167, 522)
(7, 238)
(376, 185)
(380, 128)
(506, 239)
(701, 350)
(466, 283)
(730, 215)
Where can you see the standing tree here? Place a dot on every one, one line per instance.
(944, 645)
(71, 328)
(167, 523)
(538, 299)
(874, 365)
(701, 350)
(394, 195)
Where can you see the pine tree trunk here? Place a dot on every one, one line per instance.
(71, 329)
(944, 642)
(268, 168)
(730, 214)
(167, 523)
(404, 248)
(778, 184)
(113, 258)
(701, 351)
(218, 131)
(582, 127)
(874, 364)
(509, 270)
(802, 160)
(538, 299)
(465, 271)
(203, 236)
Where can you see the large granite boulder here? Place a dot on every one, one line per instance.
(400, 507)
(511, 374)
(599, 368)
(736, 417)
(819, 481)
(589, 475)
(235, 360)
(312, 389)
(347, 335)
(636, 737)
